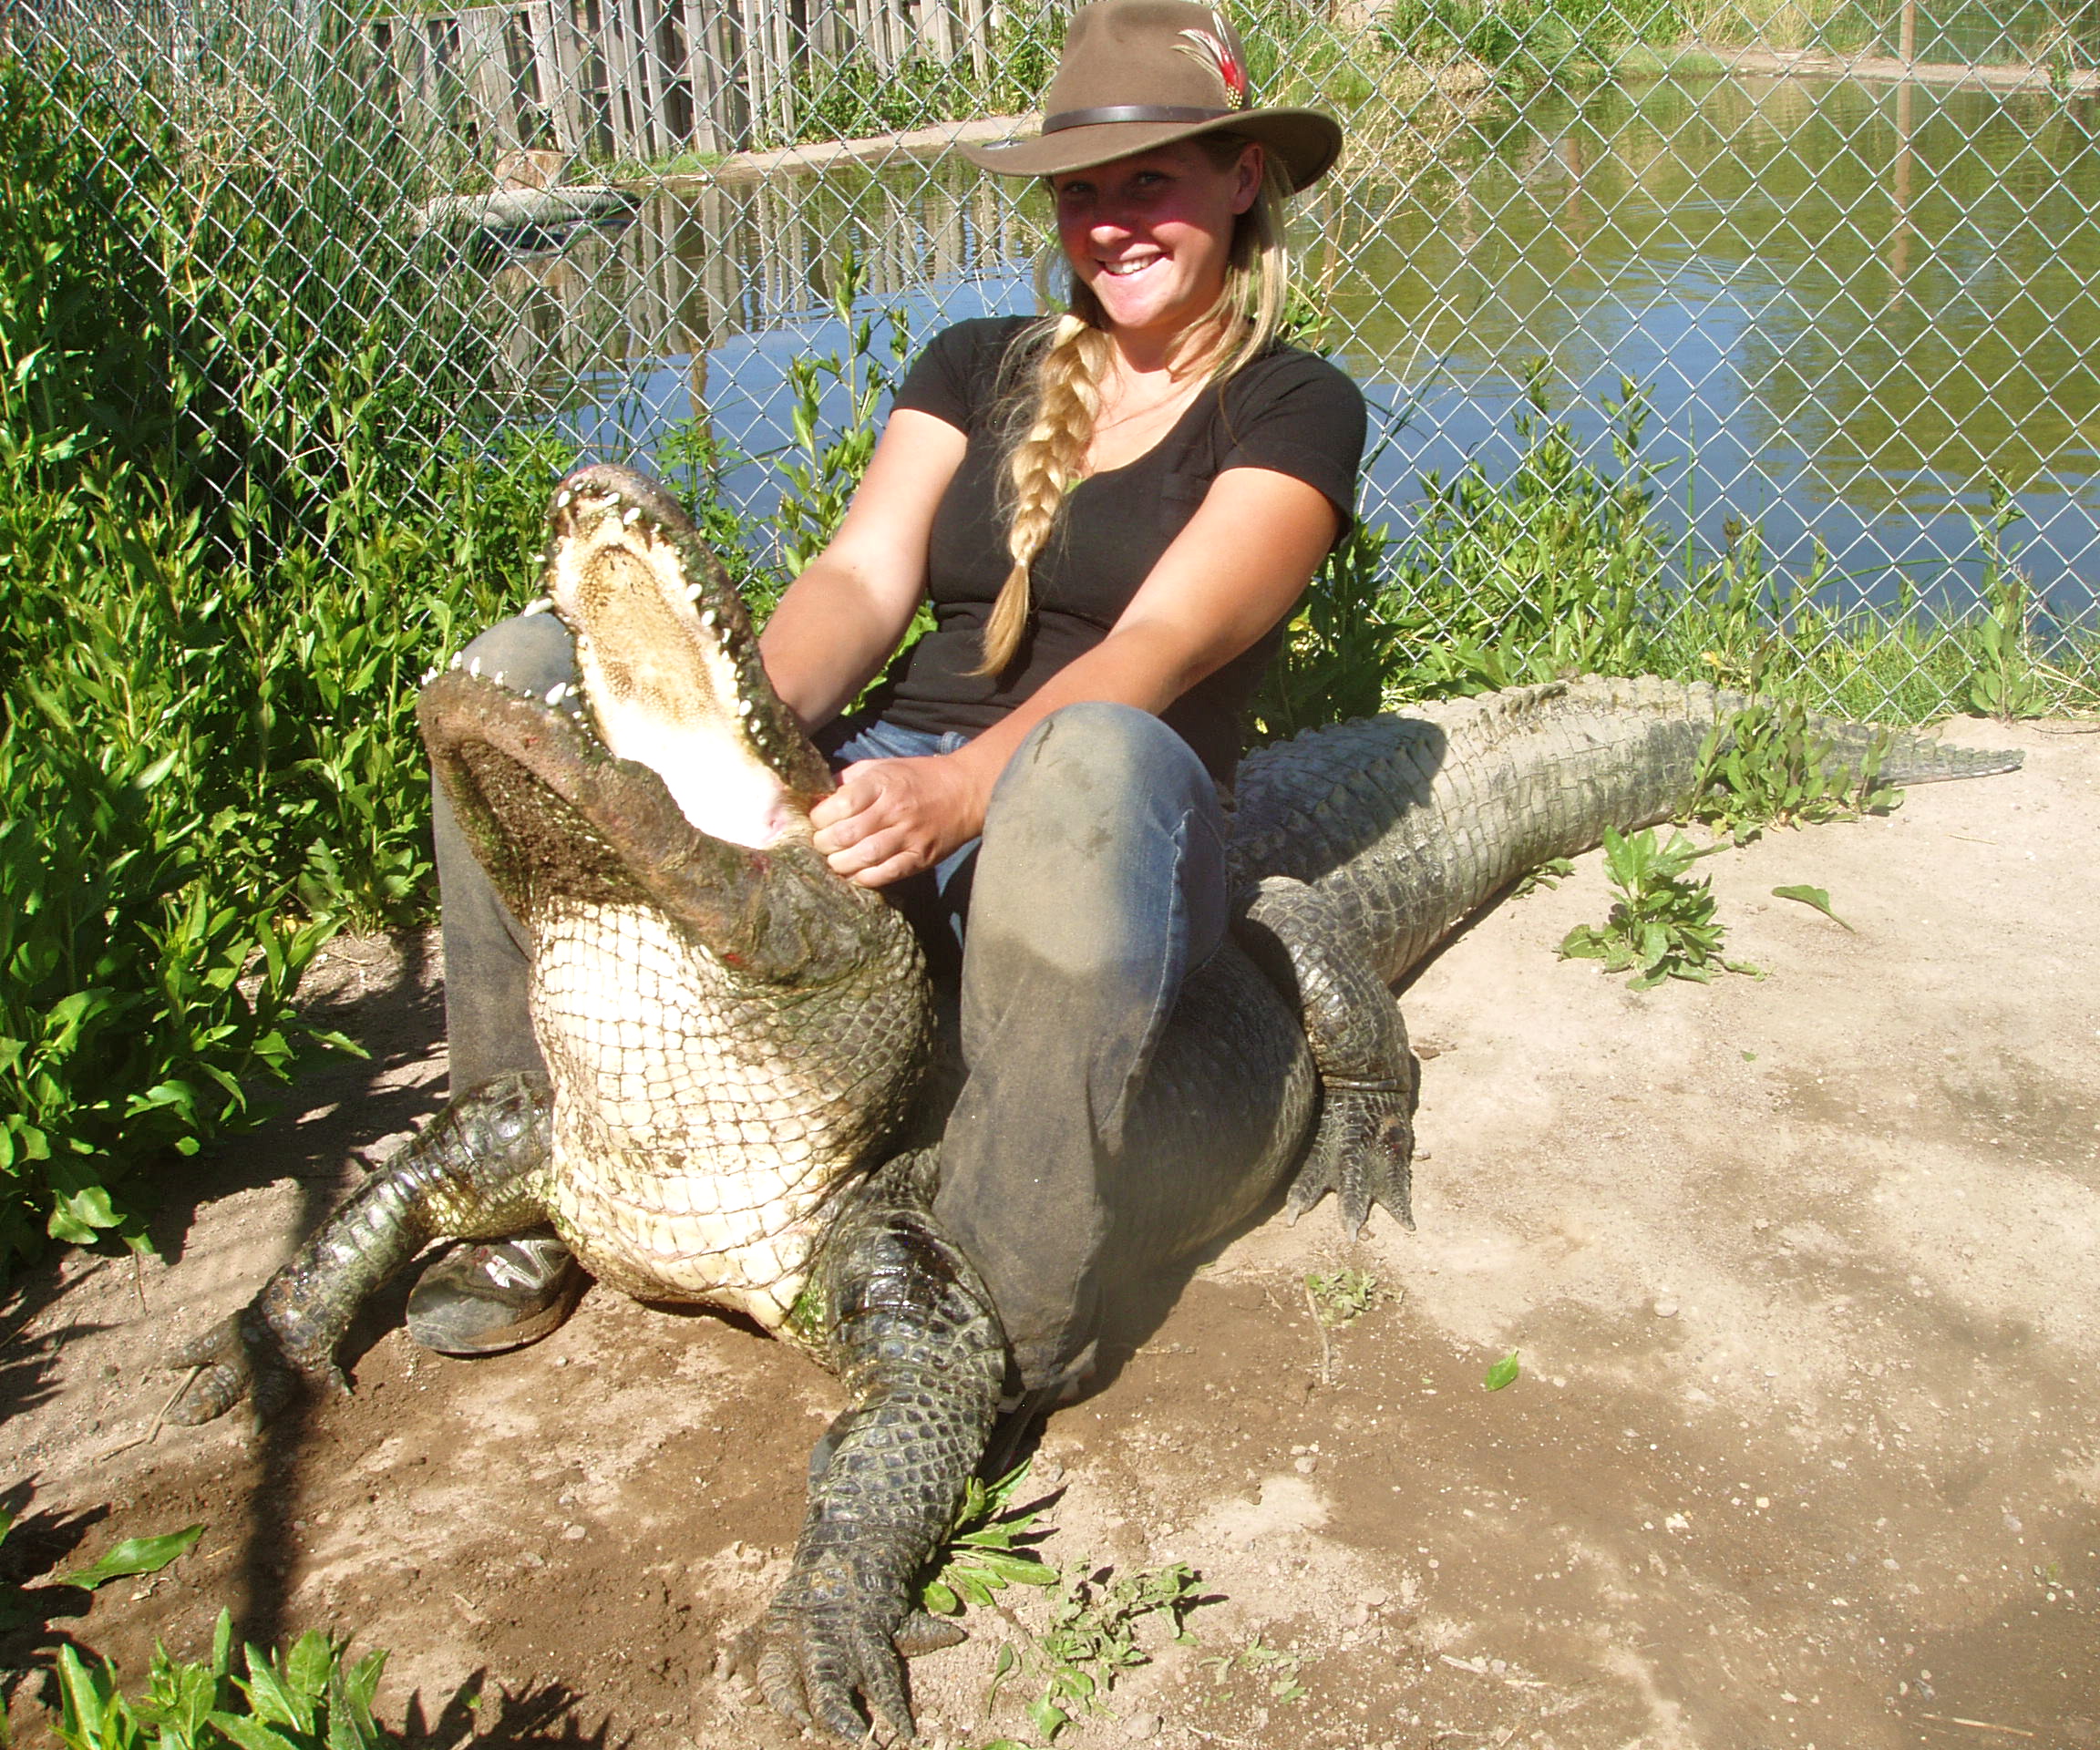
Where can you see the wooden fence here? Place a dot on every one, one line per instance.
(646, 78)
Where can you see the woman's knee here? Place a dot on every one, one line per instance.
(531, 652)
(1096, 760)
(1104, 849)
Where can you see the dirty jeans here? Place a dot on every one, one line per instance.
(1098, 884)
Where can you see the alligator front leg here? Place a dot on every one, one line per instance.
(910, 1329)
(1365, 1148)
(472, 1174)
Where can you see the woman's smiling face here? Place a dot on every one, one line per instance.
(1151, 235)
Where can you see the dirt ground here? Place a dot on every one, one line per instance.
(1802, 1451)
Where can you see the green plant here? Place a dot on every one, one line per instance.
(1817, 899)
(2004, 684)
(83, 365)
(31, 1608)
(1338, 649)
(986, 1552)
(1767, 765)
(309, 1700)
(203, 774)
(1555, 570)
(1342, 1296)
(1092, 1636)
(825, 465)
(1661, 926)
(1547, 875)
(1277, 1669)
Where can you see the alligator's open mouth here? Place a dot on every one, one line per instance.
(668, 661)
(671, 759)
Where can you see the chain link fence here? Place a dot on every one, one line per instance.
(1811, 281)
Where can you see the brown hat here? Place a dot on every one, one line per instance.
(1137, 74)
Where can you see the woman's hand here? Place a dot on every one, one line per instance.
(892, 818)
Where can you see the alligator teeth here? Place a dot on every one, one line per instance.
(429, 674)
(459, 659)
(632, 515)
(707, 619)
(555, 693)
(743, 708)
(541, 605)
(474, 668)
(562, 498)
(693, 592)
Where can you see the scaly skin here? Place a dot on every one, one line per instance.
(735, 1036)
(478, 1172)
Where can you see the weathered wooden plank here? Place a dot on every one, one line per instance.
(557, 57)
(409, 54)
(617, 44)
(720, 118)
(485, 71)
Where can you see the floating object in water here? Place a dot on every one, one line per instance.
(507, 210)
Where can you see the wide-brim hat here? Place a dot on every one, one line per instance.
(1139, 74)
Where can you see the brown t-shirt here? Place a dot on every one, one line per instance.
(1289, 411)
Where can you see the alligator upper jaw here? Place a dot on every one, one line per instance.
(671, 775)
(668, 661)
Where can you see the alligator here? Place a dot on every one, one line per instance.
(736, 1108)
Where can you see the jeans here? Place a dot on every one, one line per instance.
(1098, 885)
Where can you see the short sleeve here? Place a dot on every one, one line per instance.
(1296, 413)
(956, 377)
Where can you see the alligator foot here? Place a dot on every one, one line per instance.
(810, 1660)
(1365, 1143)
(240, 1357)
(471, 1173)
(1363, 1153)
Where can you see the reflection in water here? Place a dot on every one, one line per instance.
(1852, 306)
(1780, 218)
(694, 269)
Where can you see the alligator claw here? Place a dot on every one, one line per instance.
(811, 1663)
(240, 1357)
(1363, 1153)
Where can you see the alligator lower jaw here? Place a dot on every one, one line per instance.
(668, 661)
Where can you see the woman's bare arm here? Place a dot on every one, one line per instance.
(842, 619)
(1240, 565)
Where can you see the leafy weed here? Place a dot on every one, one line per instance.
(1091, 1637)
(986, 1552)
(1342, 1296)
(1662, 925)
(308, 1700)
(1277, 1669)
(1769, 765)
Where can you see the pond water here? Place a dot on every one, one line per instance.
(1851, 307)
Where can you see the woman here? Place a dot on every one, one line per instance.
(1114, 513)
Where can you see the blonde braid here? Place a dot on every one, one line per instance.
(1046, 453)
(1044, 462)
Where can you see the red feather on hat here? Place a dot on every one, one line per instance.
(1214, 48)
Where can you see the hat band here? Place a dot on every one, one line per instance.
(1064, 118)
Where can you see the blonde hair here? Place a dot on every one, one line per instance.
(1067, 358)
